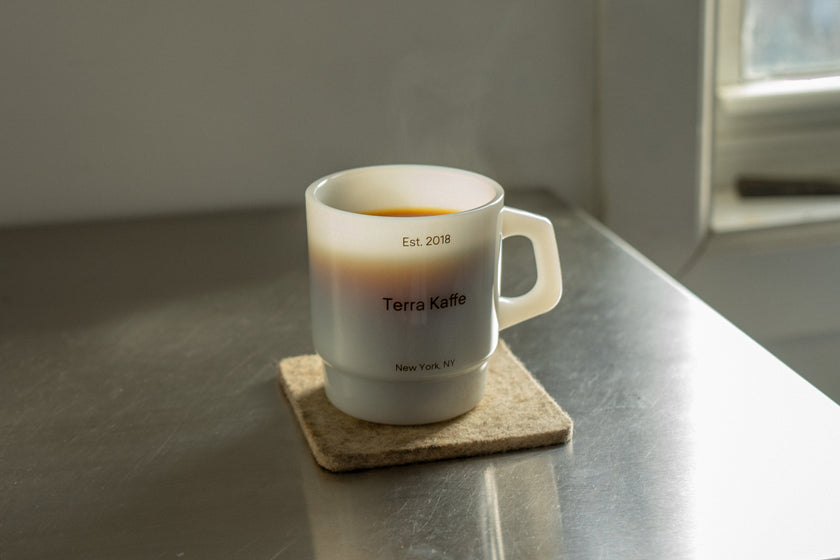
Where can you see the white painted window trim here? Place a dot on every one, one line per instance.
(792, 96)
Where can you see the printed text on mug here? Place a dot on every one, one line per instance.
(425, 366)
(427, 241)
(434, 302)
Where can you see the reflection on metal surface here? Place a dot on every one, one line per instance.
(739, 498)
(507, 508)
(494, 546)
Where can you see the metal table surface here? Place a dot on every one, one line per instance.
(141, 416)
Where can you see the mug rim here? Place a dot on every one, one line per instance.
(315, 186)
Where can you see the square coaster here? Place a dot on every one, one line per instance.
(515, 413)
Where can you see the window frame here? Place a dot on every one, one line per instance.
(785, 127)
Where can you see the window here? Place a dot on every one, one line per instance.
(777, 117)
(783, 38)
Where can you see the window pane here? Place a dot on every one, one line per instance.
(785, 37)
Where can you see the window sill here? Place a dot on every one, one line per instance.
(780, 96)
(732, 214)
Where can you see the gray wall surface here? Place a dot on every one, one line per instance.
(115, 108)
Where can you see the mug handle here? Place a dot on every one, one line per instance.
(548, 288)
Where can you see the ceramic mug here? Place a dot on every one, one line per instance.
(405, 265)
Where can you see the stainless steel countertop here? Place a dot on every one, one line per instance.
(141, 416)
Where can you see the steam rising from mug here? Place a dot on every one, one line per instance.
(404, 285)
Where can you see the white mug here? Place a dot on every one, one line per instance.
(405, 265)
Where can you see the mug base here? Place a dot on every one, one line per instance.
(405, 403)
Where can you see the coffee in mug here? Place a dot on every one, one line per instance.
(404, 285)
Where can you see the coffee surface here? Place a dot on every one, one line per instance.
(409, 212)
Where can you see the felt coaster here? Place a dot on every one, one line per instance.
(515, 413)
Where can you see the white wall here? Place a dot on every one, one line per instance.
(654, 134)
(780, 287)
(113, 108)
